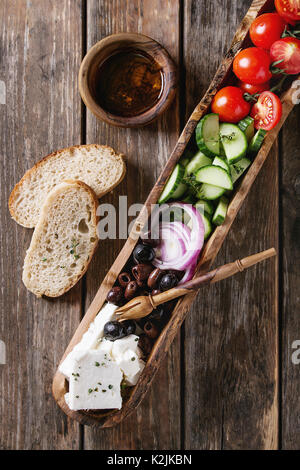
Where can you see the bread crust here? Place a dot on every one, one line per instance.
(29, 173)
(42, 219)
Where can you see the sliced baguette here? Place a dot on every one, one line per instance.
(99, 166)
(64, 240)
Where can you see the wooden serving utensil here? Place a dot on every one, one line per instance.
(142, 306)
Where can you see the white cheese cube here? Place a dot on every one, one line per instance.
(95, 382)
(131, 380)
(105, 346)
(120, 346)
(128, 362)
(90, 338)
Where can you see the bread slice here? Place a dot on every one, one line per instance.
(64, 240)
(99, 166)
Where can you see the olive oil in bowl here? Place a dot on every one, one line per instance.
(128, 83)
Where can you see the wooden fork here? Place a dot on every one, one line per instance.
(141, 306)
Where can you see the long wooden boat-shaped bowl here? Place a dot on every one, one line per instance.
(210, 250)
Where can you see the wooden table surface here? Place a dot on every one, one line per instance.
(229, 381)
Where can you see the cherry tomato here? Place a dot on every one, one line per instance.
(252, 66)
(253, 89)
(230, 105)
(267, 29)
(267, 111)
(287, 50)
(288, 9)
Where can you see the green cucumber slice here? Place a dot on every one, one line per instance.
(256, 142)
(247, 126)
(217, 161)
(234, 142)
(237, 169)
(197, 162)
(207, 135)
(214, 175)
(221, 211)
(206, 207)
(210, 192)
(174, 185)
(207, 226)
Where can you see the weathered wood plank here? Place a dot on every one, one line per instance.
(156, 424)
(290, 280)
(39, 60)
(231, 333)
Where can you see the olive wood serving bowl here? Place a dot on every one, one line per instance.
(108, 418)
(113, 44)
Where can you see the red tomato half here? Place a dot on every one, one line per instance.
(288, 9)
(252, 66)
(267, 29)
(230, 105)
(287, 50)
(267, 111)
(253, 89)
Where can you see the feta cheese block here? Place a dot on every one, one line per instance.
(95, 382)
(96, 366)
(90, 339)
(126, 353)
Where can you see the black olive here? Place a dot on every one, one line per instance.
(114, 330)
(168, 281)
(130, 327)
(143, 254)
(115, 295)
(130, 290)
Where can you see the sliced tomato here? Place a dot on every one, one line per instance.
(253, 89)
(266, 29)
(287, 50)
(267, 111)
(252, 65)
(288, 9)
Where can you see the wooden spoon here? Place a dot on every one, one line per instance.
(140, 307)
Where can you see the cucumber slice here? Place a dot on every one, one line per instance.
(234, 142)
(205, 207)
(207, 226)
(207, 135)
(237, 169)
(217, 161)
(214, 175)
(247, 126)
(256, 142)
(221, 211)
(174, 185)
(197, 162)
(210, 192)
(179, 192)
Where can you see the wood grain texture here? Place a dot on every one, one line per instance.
(208, 255)
(156, 424)
(290, 279)
(231, 331)
(40, 46)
